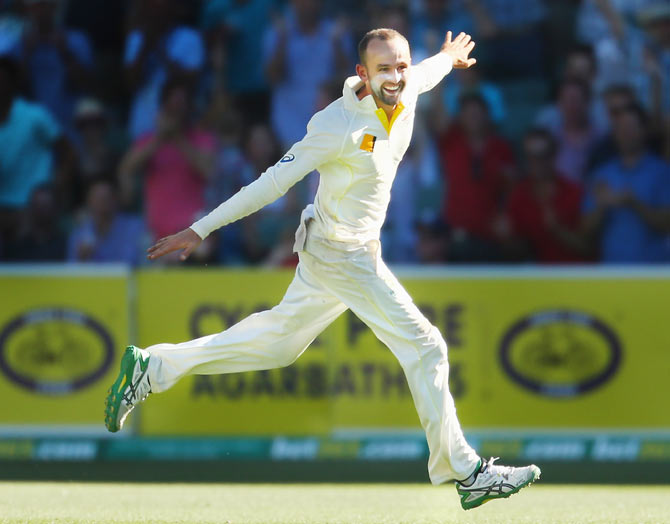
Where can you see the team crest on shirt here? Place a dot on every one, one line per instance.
(368, 143)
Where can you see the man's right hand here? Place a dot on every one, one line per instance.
(187, 240)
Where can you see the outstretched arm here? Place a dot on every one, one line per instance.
(453, 54)
(319, 146)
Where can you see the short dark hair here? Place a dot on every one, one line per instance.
(383, 33)
(474, 97)
(636, 110)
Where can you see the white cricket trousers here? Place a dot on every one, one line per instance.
(330, 278)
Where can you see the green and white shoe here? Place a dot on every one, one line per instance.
(495, 482)
(130, 388)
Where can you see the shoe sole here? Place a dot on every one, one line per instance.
(113, 400)
(536, 472)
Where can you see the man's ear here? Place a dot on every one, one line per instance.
(362, 72)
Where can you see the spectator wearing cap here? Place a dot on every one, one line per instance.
(627, 202)
(33, 149)
(301, 52)
(58, 61)
(39, 236)
(104, 234)
(98, 151)
(615, 98)
(175, 162)
(642, 59)
(156, 48)
(478, 165)
(544, 208)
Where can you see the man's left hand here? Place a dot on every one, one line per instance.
(459, 49)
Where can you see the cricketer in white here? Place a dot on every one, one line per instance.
(356, 144)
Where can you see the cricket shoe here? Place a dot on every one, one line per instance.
(495, 482)
(130, 388)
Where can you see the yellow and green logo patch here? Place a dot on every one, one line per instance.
(368, 143)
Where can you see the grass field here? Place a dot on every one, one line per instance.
(79, 503)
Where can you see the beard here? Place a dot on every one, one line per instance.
(389, 99)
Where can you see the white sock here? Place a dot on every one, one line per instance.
(471, 479)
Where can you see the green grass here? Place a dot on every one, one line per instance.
(79, 503)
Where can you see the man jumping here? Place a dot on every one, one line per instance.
(356, 144)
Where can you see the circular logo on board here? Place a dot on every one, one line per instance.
(55, 351)
(560, 353)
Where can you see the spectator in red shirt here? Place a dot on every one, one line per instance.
(478, 165)
(544, 207)
(176, 161)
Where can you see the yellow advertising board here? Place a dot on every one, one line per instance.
(543, 349)
(561, 351)
(174, 306)
(61, 332)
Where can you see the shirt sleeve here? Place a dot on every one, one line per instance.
(430, 72)
(319, 147)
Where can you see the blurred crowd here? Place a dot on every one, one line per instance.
(122, 122)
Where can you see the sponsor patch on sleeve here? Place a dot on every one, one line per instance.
(368, 143)
(287, 158)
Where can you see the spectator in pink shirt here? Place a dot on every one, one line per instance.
(176, 161)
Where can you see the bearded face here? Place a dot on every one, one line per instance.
(387, 87)
(387, 65)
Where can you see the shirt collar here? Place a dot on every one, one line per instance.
(367, 104)
(351, 86)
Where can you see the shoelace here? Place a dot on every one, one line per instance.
(143, 389)
(139, 393)
(503, 471)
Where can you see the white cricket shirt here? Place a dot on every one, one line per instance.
(356, 151)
